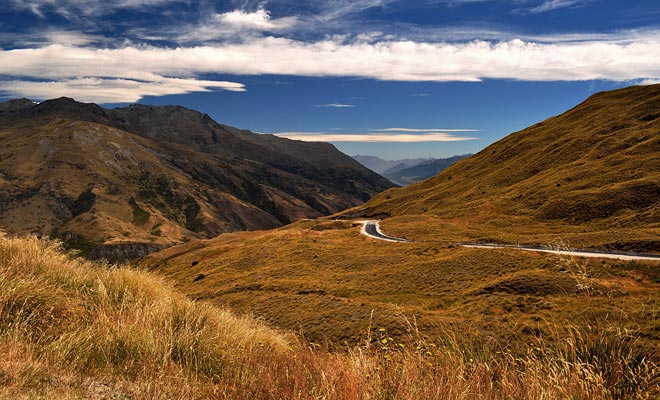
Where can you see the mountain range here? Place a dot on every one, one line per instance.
(120, 183)
(419, 172)
(407, 171)
(382, 166)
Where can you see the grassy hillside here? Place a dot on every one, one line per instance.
(324, 279)
(73, 329)
(596, 166)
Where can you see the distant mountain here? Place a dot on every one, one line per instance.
(120, 183)
(388, 166)
(407, 175)
(598, 163)
(401, 166)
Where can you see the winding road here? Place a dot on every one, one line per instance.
(371, 228)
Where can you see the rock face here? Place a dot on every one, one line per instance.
(140, 178)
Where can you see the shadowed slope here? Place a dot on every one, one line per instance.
(125, 182)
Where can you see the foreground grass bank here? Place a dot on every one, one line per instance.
(75, 329)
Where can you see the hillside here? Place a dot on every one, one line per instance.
(407, 175)
(597, 166)
(72, 329)
(121, 183)
(326, 280)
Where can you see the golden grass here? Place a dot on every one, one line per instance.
(74, 329)
(63, 317)
(323, 279)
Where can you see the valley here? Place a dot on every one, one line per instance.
(329, 200)
(441, 258)
(324, 278)
(502, 196)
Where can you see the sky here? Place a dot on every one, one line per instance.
(391, 78)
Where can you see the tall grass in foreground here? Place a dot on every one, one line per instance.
(75, 329)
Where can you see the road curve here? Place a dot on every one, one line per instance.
(371, 228)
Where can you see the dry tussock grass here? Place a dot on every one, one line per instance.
(74, 329)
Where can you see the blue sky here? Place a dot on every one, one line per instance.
(392, 78)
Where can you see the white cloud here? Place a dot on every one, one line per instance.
(335, 105)
(111, 90)
(373, 137)
(71, 38)
(338, 9)
(551, 5)
(647, 82)
(234, 24)
(399, 60)
(74, 8)
(430, 130)
(624, 59)
(257, 20)
(52, 36)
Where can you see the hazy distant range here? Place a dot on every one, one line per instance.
(407, 171)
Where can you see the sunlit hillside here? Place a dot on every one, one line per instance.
(594, 168)
(74, 329)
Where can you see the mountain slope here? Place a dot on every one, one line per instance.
(125, 182)
(597, 163)
(419, 172)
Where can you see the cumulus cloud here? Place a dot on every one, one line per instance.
(236, 23)
(258, 20)
(399, 60)
(373, 137)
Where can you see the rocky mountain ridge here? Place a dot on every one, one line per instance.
(141, 178)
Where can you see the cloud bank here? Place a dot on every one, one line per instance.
(136, 71)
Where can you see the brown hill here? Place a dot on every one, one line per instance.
(124, 182)
(598, 164)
